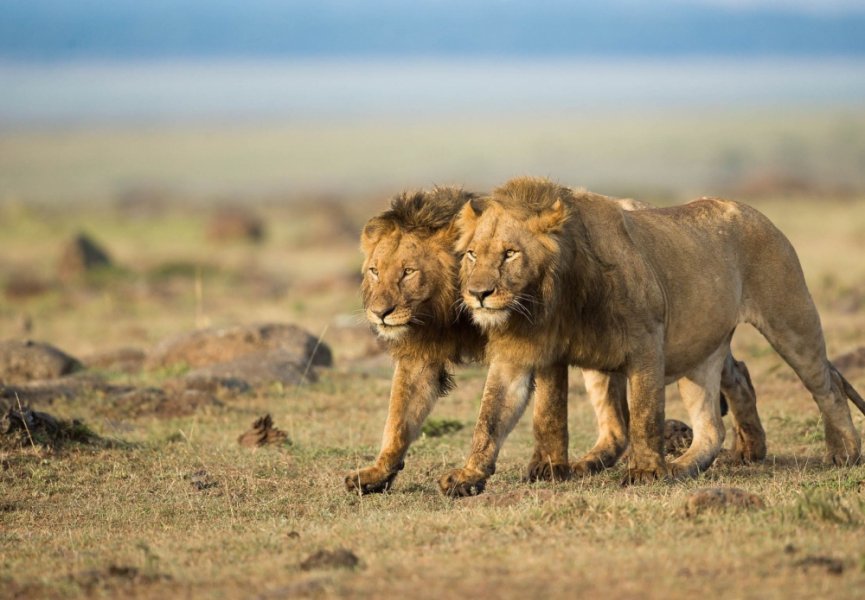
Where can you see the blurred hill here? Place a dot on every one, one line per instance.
(123, 29)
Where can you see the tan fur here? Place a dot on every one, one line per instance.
(555, 275)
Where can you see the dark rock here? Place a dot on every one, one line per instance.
(219, 345)
(21, 428)
(80, 255)
(26, 360)
(260, 369)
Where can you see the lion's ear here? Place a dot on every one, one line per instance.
(551, 220)
(466, 221)
(372, 232)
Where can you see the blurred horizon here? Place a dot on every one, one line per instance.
(338, 97)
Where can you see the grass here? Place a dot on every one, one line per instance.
(180, 509)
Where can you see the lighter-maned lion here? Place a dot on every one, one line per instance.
(654, 295)
(410, 294)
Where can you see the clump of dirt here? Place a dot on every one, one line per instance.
(80, 255)
(22, 428)
(677, 437)
(232, 224)
(341, 558)
(721, 498)
(263, 433)
(24, 286)
(26, 360)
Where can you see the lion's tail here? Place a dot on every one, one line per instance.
(851, 393)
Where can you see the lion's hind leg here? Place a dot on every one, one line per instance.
(699, 390)
(608, 395)
(749, 437)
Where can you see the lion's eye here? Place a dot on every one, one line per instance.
(510, 253)
(408, 271)
(471, 255)
(373, 271)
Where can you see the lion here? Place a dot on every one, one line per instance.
(410, 295)
(555, 275)
(411, 299)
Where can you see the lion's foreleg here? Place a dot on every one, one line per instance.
(646, 430)
(415, 388)
(505, 396)
(608, 395)
(550, 424)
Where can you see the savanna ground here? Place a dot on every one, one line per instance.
(178, 508)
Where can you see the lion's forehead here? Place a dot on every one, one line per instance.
(397, 252)
(498, 231)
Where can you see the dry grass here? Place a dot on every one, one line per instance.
(183, 510)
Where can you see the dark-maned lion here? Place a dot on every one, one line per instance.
(410, 293)
(554, 275)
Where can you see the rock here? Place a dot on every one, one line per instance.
(125, 360)
(79, 255)
(20, 428)
(340, 558)
(161, 403)
(354, 342)
(223, 344)
(263, 433)
(234, 224)
(259, 369)
(211, 384)
(721, 498)
(851, 361)
(26, 360)
(677, 437)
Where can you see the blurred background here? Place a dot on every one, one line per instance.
(222, 156)
(341, 98)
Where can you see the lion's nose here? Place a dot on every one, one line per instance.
(481, 294)
(382, 313)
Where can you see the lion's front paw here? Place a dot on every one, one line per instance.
(370, 480)
(462, 482)
(645, 471)
(544, 470)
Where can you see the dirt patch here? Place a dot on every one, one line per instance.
(721, 498)
(341, 558)
(201, 481)
(263, 433)
(27, 360)
(116, 576)
(24, 286)
(22, 428)
(220, 345)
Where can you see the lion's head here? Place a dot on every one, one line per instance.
(510, 249)
(409, 268)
